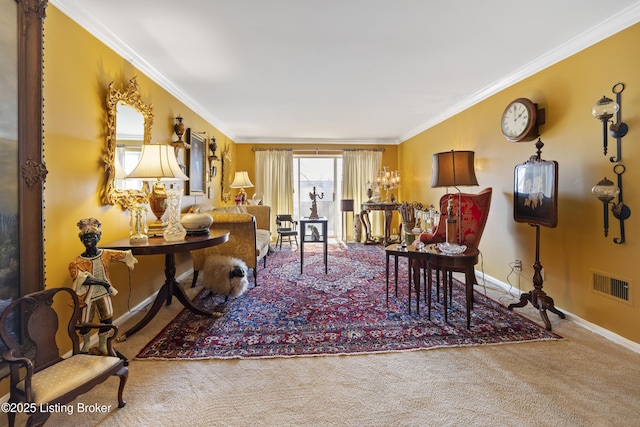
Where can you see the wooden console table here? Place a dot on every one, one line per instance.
(157, 246)
(388, 209)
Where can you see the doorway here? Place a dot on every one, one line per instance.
(325, 174)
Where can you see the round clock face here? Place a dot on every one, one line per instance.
(518, 120)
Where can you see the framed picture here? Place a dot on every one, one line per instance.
(196, 163)
(535, 194)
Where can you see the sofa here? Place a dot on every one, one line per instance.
(249, 237)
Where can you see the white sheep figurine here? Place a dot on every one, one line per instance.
(225, 275)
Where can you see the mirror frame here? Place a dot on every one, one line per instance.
(131, 97)
(33, 171)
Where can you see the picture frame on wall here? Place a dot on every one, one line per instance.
(535, 198)
(196, 163)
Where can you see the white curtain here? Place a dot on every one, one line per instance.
(274, 179)
(360, 169)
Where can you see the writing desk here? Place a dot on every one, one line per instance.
(158, 246)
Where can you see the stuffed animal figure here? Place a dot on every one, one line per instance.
(225, 275)
(315, 233)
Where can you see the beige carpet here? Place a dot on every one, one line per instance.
(583, 380)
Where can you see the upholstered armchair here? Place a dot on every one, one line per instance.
(475, 211)
(249, 237)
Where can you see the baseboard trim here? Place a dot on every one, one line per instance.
(611, 336)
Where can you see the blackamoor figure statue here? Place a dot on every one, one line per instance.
(90, 274)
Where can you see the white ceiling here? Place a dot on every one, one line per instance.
(322, 71)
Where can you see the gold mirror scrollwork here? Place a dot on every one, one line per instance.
(130, 96)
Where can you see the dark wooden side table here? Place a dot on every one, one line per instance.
(409, 252)
(464, 262)
(156, 246)
(432, 258)
(307, 237)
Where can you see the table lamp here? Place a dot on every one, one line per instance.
(454, 169)
(241, 180)
(158, 163)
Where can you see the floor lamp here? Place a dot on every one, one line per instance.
(346, 205)
(454, 169)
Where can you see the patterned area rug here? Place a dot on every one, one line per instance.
(342, 312)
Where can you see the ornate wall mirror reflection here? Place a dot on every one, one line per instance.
(226, 168)
(129, 122)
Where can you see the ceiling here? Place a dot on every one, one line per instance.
(342, 71)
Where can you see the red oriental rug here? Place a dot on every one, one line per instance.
(342, 312)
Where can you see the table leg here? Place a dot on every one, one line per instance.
(416, 281)
(409, 274)
(387, 227)
(301, 250)
(165, 293)
(396, 274)
(429, 287)
(445, 288)
(387, 269)
(326, 257)
(469, 280)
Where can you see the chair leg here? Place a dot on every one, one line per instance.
(123, 373)
(12, 418)
(195, 278)
(255, 277)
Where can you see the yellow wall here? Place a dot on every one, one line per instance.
(571, 136)
(78, 69)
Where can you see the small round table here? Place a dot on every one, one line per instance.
(156, 246)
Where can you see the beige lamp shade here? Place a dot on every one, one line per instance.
(158, 162)
(241, 180)
(453, 169)
(346, 205)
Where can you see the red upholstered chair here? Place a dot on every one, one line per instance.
(475, 210)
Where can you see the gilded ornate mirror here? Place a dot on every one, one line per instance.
(129, 122)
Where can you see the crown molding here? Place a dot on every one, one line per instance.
(317, 141)
(597, 33)
(95, 27)
(607, 28)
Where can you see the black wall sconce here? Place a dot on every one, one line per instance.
(605, 190)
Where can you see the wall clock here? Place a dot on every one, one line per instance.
(521, 119)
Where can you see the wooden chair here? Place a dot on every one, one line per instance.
(475, 211)
(39, 376)
(287, 228)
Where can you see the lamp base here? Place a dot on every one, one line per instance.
(241, 197)
(156, 228)
(158, 199)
